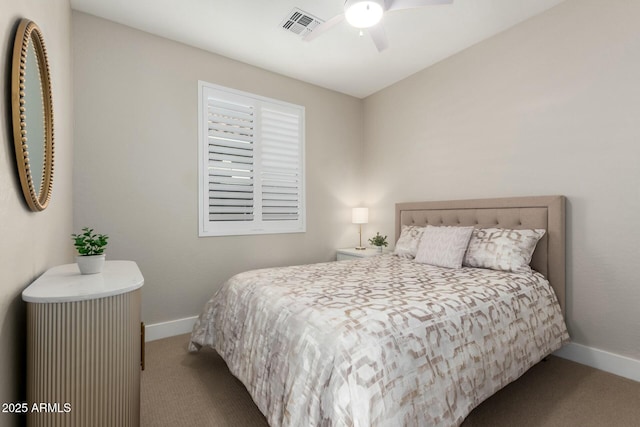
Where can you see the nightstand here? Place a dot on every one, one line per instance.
(353, 253)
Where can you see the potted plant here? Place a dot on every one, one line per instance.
(90, 249)
(379, 241)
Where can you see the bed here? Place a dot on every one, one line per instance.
(388, 341)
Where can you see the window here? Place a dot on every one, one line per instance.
(251, 157)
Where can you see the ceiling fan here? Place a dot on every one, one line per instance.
(367, 14)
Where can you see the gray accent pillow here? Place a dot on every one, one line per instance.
(502, 249)
(443, 246)
(407, 244)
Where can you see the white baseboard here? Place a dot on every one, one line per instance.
(600, 359)
(168, 329)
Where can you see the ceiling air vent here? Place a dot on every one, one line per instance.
(300, 22)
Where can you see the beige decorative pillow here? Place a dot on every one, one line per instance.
(443, 246)
(502, 249)
(407, 244)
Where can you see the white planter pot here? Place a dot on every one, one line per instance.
(90, 264)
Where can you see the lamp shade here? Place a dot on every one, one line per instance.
(360, 215)
(363, 13)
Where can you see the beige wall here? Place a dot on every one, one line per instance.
(551, 106)
(136, 167)
(548, 107)
(31, 242)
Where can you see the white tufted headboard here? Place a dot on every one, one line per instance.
(546, 212)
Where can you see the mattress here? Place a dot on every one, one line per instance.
(381, 341)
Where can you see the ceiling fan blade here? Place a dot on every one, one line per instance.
(379, 37)
(325, 26)
(411, 4)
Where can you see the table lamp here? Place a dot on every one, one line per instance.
(360, 216)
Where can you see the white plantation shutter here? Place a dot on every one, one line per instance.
(281, 172)
(251, 164)
(230, 171)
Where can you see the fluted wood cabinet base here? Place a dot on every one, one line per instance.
(83, 361)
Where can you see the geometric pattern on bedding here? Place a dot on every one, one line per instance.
(381, 341)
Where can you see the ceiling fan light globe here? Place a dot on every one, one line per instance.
(363, 13)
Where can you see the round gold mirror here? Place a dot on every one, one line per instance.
(32, 110)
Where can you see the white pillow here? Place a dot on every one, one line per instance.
(443, 246)
(407, 244)
(502, 249)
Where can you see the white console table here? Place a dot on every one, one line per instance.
(84, 346)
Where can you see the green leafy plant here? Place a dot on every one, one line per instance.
(89, 243)
(378, 240)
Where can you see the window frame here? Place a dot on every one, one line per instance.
(256, 226)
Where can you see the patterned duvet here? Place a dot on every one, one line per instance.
(381, 341)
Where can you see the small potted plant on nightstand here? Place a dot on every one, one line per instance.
(90, 249)
(379, 241)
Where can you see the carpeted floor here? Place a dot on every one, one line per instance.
(182, 389)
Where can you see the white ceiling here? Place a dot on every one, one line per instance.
(249, 31)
